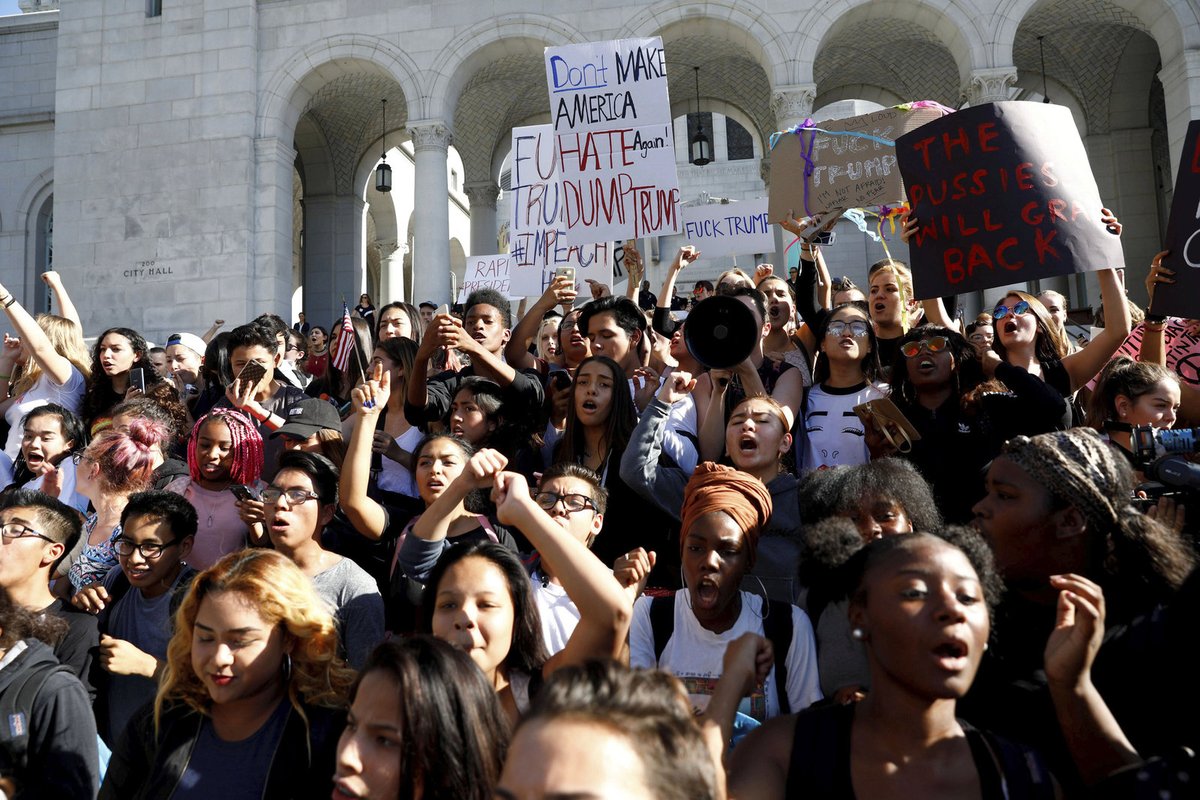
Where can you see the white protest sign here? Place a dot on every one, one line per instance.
(613, 138)
(486, 272)
(538, 243)
(729, 230)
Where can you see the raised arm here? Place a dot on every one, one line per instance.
(66, 308)
(604, 607)
(561, 291)
(662, 312)
(37, 344)
(208, 335)
(366, 515)
(1154, 350)
(481, 469)
(1083, 365)
(1097, 744)
(634, 269)
(640, 468)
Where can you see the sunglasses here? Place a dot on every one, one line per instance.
(1003, 311)
(934, 344)
(857, 328)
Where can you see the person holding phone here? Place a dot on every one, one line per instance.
(225, 461)
(253, 356)
(118, 352)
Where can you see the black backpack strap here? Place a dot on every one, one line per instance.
(16, 710)
(119, 589)
(777, 625)
(662, 623)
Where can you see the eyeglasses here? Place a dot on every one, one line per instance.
(1003, 311)
(934, 344)
(15, 530)
(148, 550)
(79, 458)
(295, 349)
(571, 503)
(858, 328)
(295, 497)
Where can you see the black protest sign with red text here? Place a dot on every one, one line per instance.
(1182, 298)
(1003, 193)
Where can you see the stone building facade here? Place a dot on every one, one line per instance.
(182, 160)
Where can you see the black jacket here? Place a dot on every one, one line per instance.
(61, 757)
(148, 764)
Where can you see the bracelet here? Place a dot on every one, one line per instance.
(8, 301)
(1155, 326)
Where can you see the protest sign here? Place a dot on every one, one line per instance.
(729, 229)
(1003, 193)
(486, 272)
(853, 163)
(1181, 343)
(614, 139)
(538, 243)
(1182, 298)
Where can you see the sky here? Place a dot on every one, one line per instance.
(9, 7)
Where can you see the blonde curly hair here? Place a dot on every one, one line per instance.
(67, 339)
(282, 595)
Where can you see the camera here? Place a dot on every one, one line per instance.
(1162, 455)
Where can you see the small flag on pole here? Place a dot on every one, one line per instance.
(345, 341)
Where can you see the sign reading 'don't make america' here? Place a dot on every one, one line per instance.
(1002, 193)
(730, 229)
(538, 242)
(613, 137)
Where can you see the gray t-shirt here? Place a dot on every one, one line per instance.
(353, 598)
(146, 624)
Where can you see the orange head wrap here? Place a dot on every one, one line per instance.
(742, 496)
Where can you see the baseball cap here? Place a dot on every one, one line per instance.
(307, 417)
(189, 340)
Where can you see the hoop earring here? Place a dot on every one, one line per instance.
(287, 667)
(766, 599)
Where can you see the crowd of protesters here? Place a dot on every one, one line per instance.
(456, 553)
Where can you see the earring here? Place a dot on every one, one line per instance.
(287, 667)
(858, 634)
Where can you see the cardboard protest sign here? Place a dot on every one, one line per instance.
(729, 230)
(538, 242)
(614, 140)
(1181, 342)
(853, 163)
(486, 272)
(1182, 298)
(1003, 193)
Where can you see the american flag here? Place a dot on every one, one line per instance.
(345, 341)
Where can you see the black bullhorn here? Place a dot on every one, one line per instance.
(721, 332)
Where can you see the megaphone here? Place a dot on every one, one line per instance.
(721, 332)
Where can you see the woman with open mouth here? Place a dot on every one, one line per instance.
(920, 605)
(250, 702)
(724, 512)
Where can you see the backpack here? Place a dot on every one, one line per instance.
(777, 625)
(16, 709)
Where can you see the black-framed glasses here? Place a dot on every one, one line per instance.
(571, 503)
(148, 550)
(78, 458)
(858, 328)
(1003, 311)
(934, 344)
(15, 530)
(295, 497)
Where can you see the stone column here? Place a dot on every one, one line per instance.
(482, 195)
(793, 104)
(333, 255)
(431, 261)
(1181, 90)
(990, 85)
(270, 287)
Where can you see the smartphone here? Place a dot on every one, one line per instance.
(243, 492)
(137, 379)
(825, 238)
(565, 272)
(251, 374)
(442, 309)
(561, 379)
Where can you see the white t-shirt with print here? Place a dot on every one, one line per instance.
(69, 396)
(695, 655)
(834, 435)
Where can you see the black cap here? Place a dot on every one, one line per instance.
(307, 417)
